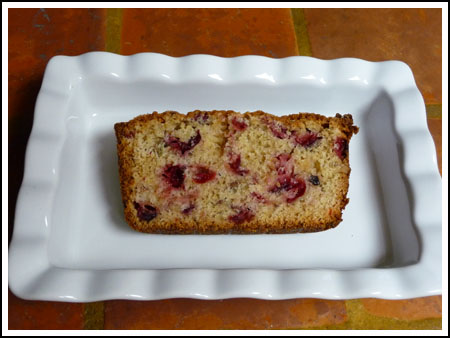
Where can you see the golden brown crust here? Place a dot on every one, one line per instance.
(125, 132)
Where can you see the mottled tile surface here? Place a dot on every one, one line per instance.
(409, 309)
(359, 318)
(222, 32)
(223, 314)
(410, 35)
(37, 315)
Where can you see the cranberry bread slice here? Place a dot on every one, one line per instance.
(213, 172)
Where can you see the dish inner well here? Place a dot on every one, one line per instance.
(88, 230)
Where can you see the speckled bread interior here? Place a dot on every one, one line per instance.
(215, 172)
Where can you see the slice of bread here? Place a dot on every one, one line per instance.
(215, 172)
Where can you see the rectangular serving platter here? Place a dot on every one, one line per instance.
(71, 242)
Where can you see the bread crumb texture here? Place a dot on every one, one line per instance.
(215, 172)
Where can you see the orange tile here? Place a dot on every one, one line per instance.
(222, 32)
(36, 315)
(35, 35)
(223, 314)
(411, 35)
(409, 309)
(435, 126)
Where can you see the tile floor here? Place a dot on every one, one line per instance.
(35, 35)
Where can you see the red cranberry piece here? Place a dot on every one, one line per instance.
(174, 175)
(235, 164)
(129, 134)
(298, 189)
(238, 125)
(283, 158)
(173, 142)
(145, 212)
(284, 183)
(314, 180)
(294, 186)
(201, 117)
(307, 139)
(284, 165)
(194, 140)
(188, 210)
(182, 147)
(258, 197)
(278, 130)
(203, 174)
(243, 215)
(340, 147)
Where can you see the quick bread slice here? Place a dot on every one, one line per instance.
(213, 172)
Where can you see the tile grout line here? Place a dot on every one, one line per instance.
(94, 316)
(359, 319)
(301, 32)
(434, 111)
(113, 36)
(94, 313)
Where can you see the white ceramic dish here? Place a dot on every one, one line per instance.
(70, 240)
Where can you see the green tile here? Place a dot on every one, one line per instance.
(113, 29)
(434, 110)
(93, 316)
(301, 32)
